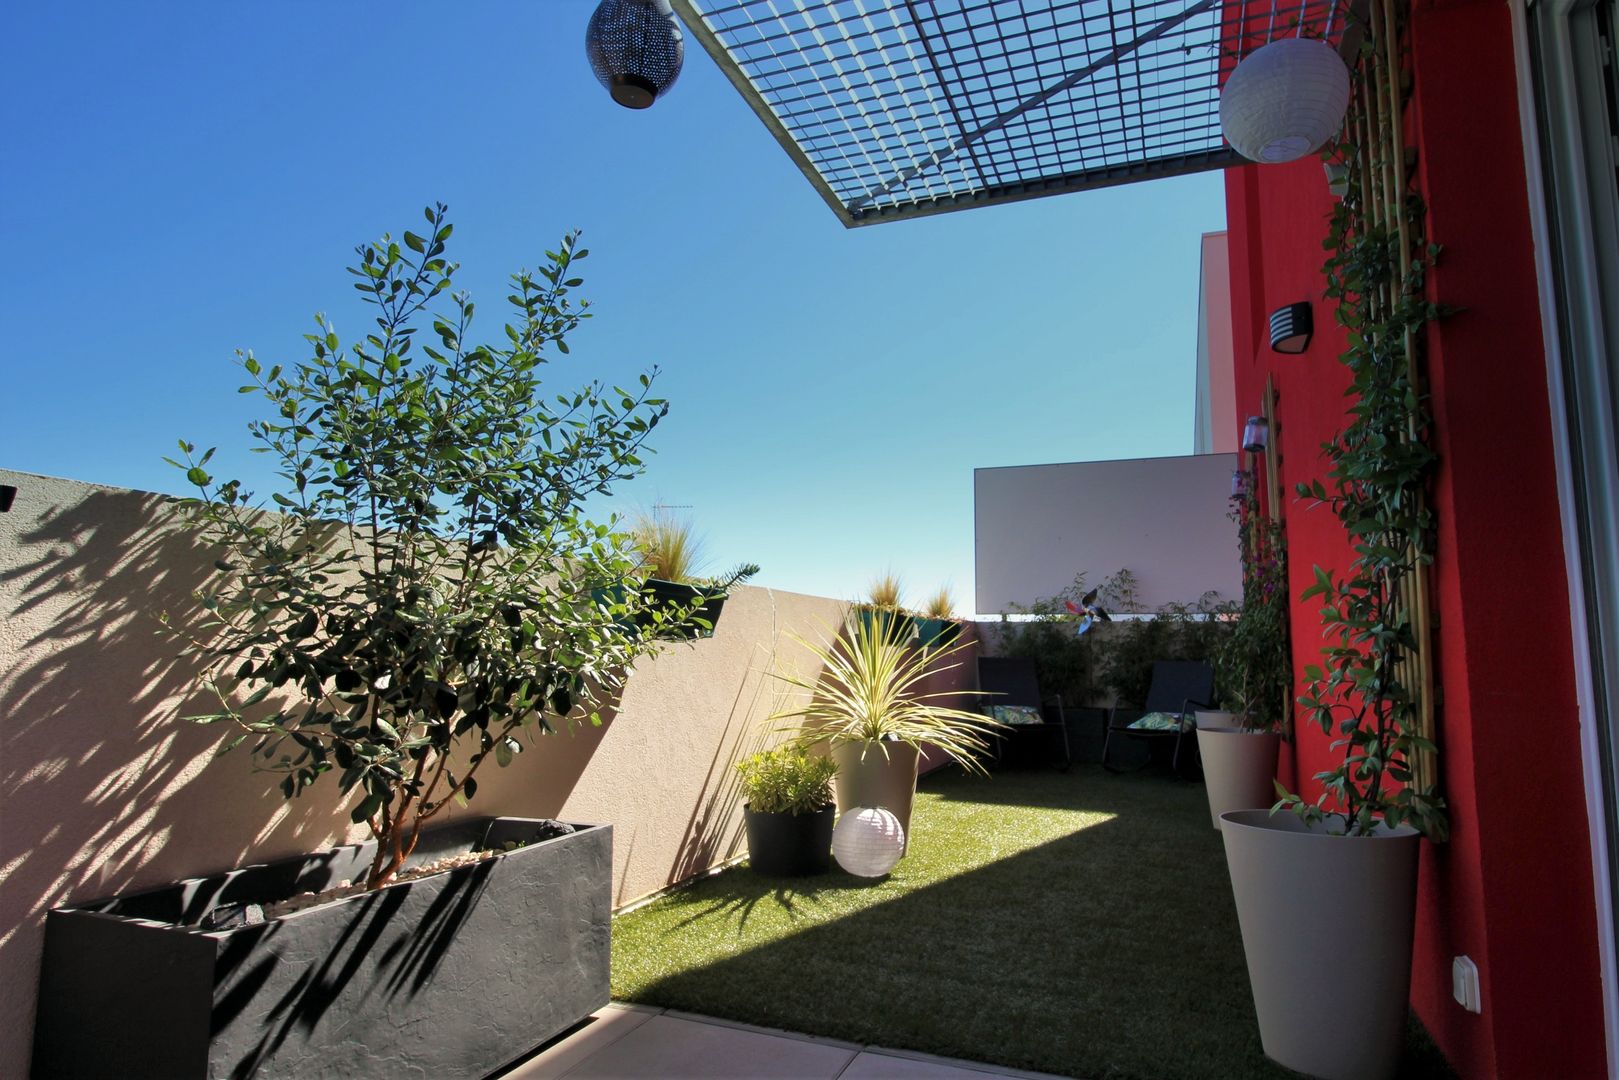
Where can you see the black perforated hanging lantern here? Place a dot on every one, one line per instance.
(636, 49)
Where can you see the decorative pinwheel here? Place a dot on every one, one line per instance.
(1089, 611)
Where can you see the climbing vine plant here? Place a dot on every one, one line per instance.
(1254, 665)
(1371, 691)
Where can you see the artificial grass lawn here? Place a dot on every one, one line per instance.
(1078, 924)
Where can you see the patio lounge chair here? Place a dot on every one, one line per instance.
(1178, 686)
(1013, 682)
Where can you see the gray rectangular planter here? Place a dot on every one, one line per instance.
(451, 975)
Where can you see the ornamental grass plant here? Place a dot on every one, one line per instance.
(885, 592)
(941, 605)
(670, 548)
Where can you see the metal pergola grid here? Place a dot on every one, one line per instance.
(898, 108)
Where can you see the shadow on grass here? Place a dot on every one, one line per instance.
(737, 894)
(1092, 933)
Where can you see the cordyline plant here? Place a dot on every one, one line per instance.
(421, 597)
(869, 691)
(1378, 471)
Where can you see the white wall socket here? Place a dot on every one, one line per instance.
(1464, 984)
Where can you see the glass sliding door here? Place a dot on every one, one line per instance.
(1574, 58)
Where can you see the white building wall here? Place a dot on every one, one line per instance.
(1163, 519)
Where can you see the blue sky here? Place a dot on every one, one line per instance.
(183, 179)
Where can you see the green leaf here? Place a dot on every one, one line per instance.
(369, 807)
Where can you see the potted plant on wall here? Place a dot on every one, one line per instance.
(867, 705)
(937, 627)
(413, 606)
(789, 811)
(1254, 669)
(679, 602)
(881, 612)
(1330, 890)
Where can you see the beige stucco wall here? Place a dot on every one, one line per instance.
(103, 789)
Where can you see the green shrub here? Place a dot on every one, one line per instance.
(1254, 666)
(1114, 657)
(421, 601)
(786, 781)
(1175, 632)
(1064, 662)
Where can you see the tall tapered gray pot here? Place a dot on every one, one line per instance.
(1326, 927)
(1207, 718)
(877, 774)
(1239, 768)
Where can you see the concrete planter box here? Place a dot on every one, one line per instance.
(1326, 923)
(1239, 768)
(454, 974)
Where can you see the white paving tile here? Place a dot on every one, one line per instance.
(604, 1027)
(634, 1042)
(675, 1048)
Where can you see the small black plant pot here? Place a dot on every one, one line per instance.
(674, 596)
(452, 974)
(790, 845)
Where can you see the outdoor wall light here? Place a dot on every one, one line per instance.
(1255, 433)
(1239, 484)
(1284, 100)
(1337, 178)
(8, 495)
(1291, 327)
(635, 48)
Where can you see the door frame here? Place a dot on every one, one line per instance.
(1580, 326)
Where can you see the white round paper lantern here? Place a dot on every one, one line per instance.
(1284, 100)
(868, 842)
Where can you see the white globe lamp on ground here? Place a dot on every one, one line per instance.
(1285, 100)
(868, 842)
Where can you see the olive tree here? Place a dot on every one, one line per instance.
(416, 599)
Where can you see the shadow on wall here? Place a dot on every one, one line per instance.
(714, 831)
(103, 788)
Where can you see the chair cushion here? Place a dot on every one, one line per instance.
(1017, 714)
(1159, 721)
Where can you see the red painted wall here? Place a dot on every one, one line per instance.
(1513, 888)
